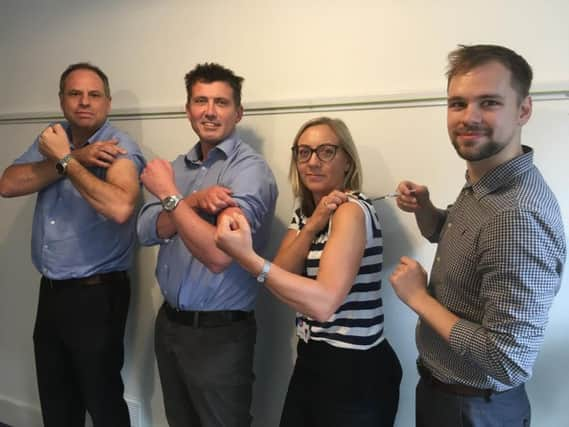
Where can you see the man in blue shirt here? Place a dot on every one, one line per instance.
(205, 330)
(85, 173)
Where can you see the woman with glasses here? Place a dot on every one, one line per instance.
(328, 268)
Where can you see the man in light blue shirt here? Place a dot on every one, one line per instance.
(85, 173)
(205, 330)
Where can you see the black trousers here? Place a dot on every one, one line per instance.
(335, 387)
(78, 343)
(206, 372)
(436, 408)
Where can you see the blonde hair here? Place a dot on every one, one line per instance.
(353, 176)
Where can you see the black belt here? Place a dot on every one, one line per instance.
(95, 279)
(206, 319)
(457, 389)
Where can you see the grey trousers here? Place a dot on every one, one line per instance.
(435, 408)
(206, 372)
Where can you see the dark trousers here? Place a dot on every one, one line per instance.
(206, 371)
(436, 408)
(334, 387)
(78, 343)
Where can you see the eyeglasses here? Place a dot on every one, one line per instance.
(324, 152)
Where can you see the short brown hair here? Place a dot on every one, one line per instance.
(85, 66)
(212, 72)
(465, 58)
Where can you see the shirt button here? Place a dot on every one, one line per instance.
(45, 246)
(438, 259)
(449, 225)
(52, 222)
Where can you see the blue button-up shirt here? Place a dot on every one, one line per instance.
(70, 239)
(185, 282)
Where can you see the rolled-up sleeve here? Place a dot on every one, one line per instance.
(31, 155)
(146, 224)
(254, 188)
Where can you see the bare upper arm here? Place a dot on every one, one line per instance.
(124, 175)
(342, 255)
(229, 211)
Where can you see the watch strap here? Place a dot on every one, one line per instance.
(264, 271)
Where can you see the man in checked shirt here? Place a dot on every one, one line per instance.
(501, 250)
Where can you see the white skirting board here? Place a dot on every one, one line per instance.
(19, 414)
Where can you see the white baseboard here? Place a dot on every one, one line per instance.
(134, 410)
(19, 414)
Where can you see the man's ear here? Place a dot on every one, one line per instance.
(110, 106)
(525, 111)
(239, 114)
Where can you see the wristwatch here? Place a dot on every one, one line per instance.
(171, 202)
(61, 165)
(264, 272)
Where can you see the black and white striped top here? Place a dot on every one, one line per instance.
(358, 322)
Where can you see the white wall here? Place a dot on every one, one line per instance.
(290, 53)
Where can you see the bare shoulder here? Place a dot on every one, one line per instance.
(348, 218)
(349, 211)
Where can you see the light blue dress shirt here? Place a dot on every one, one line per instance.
(185, 282)
(69, 238)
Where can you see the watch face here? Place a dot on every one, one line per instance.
(170, 203)
(61, 165)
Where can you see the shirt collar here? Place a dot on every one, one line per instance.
(225, 148)
(93, 138)
(502, 174)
